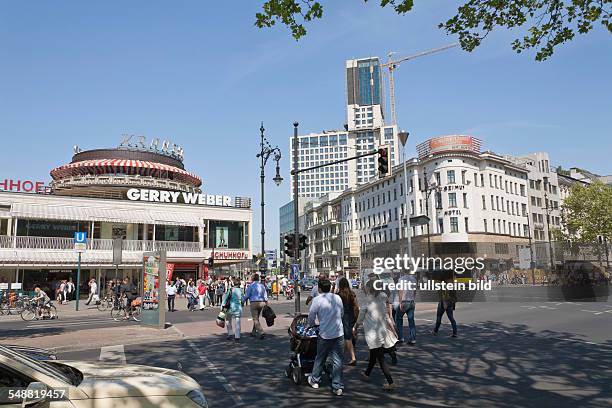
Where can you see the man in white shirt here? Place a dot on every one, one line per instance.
(406, 305)
(93, 290)
(171, 294)
(327, 308)
(315, 289)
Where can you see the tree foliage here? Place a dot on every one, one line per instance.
(547, 23)
(587, 213)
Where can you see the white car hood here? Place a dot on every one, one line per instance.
(103, 380)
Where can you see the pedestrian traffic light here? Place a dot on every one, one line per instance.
(303, 242)
(211, 262)
(289, 245)
(383, 161)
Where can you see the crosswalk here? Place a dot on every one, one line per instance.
(593, 308)
(78, 322)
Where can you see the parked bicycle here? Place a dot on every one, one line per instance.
(35, 311)
(11, 304)
(121, 312)
(106, 303)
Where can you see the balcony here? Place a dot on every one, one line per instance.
(64, 244)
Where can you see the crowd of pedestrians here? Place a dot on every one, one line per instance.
(341, 313)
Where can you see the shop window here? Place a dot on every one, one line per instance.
(227, 234)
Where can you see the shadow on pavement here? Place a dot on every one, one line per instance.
(490, 365)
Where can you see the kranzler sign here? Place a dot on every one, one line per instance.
(177, 197)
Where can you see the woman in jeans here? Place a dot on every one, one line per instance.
(351, 312)
(232, 306)
(380, 334)
(448, 299)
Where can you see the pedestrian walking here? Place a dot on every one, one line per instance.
(406, 306)
(219, 292)
(349, 318)
(191, 295)
(232, 306)
(447, 303)
(258, 296)
(93, 290)
(327, 308)
(70, 289)
(171, 294)
(61, 292)
(315, 289)
(378, 329)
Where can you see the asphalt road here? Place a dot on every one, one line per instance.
(507, 355)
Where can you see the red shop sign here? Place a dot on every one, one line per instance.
(22, 186)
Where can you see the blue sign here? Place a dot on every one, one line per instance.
(295, 271)
(80, 237)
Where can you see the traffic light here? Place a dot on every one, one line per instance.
(289, 245)
(211, 262)
(303, 242)
(383, 161)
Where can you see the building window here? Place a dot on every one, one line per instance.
(482, 180)
(485, 226)
(437, 176)
(465, 200)
(454, 224)
(441, 225)
(463, 176)
(467, 224)
(484, 202)
(475, 180)
(452, 200)
(450, 176)
(501, 248)
(438, 200)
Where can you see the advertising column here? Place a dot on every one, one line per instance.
(153, 291)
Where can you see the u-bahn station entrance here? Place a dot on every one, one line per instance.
(140, 193)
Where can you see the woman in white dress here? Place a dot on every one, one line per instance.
(375, 316)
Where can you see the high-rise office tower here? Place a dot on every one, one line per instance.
(364, 132)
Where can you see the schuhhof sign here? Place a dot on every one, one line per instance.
(22, 186)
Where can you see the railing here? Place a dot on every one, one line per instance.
(55, 243)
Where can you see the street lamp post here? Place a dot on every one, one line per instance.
(532, 263)
(264, 154)
(428, 190)
(403, 137)
(550, 248)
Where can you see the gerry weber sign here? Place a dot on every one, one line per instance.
(163, 196)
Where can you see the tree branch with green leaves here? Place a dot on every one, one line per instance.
(547, 23)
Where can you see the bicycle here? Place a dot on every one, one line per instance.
(120, 312)
(33, 311)
(12, 304)
(106, 303)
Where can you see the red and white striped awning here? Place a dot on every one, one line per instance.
(130, 167)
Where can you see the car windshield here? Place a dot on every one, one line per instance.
(37, 365)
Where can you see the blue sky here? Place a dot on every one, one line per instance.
(201, 74)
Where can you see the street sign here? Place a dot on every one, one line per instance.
(80, 241)
(295, 271)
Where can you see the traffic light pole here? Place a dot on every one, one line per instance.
(296, 217)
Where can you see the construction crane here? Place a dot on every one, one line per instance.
(392, 65)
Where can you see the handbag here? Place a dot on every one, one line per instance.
(220, 321)
(228, 302)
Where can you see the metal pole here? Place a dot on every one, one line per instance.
(296, 217)
(552, 264)
(262, 176)
(78, 285)
(342, 241)
(427, 194)
(532, 265)
(408, 232)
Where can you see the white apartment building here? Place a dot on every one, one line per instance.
(544, 195)
(476, 202)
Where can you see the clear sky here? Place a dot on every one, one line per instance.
(200, 73)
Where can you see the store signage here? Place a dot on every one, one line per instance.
(80, 241)
(452, 212)
(448, 143)
(231, 255)
(22, 186)
(140, 142)
(163, 196)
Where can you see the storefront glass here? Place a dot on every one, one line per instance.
(50, 228)
(227, 234)
(175, 233)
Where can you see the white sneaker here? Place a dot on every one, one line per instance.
(312, 383)
(338, 392)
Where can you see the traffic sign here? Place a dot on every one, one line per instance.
(295, 271)
(80, 241)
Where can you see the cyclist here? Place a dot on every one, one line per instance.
(42, 300)
(130, 292)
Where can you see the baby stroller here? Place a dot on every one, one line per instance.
(303, 342)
